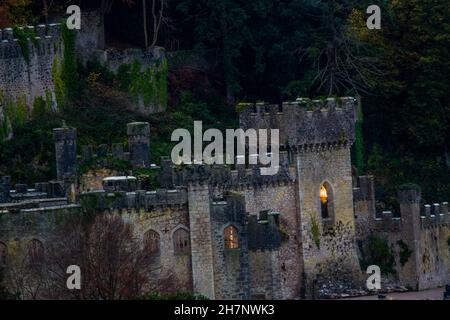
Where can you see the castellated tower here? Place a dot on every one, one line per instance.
(66, 152)
(139, 143)
(318, 136)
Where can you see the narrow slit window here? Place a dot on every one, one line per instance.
(326, 201)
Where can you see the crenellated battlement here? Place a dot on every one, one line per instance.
(305, 125)
(223, 176)
(140, 199)
(26, 67)
(43, 42)
(21, 193)
(387, 222)
(435, 215)
(431, 216)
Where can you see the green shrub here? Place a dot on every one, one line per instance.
(405, 252)
(23, 36)
(376, 251)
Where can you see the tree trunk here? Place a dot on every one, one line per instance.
(44, 2)
(144, 14)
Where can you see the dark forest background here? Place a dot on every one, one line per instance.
(274, 51)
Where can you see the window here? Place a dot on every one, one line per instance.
(231, 238)
(35, 251)
(3, 253)
(326, 201)
(152, 242)
(181, 241)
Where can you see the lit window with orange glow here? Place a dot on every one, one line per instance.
(324, 202)
(231, 238)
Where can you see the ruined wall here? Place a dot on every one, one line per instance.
(29, 76)
(91, 36)
(153, 69)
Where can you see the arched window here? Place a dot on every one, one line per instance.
(152, 242)
(326, 201)
(35, 251)
(3, 253)
(181, 241)
(231, 237)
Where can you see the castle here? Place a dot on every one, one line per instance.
(231, 233)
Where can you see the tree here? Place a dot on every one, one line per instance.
(24, 272)
(408, 117)
(220, 24)
(15, 12)
(113, 262)
(5, 294)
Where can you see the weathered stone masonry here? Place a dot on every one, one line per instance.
(22, 79)
(424, 229)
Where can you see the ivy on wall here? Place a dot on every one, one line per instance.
(60, 92)
(17, 111)
(23, 36)
(69, 72)
(405, 252)
(65, 71)
(376, 251)
(4, 121)
(4, 128)
(151, 83)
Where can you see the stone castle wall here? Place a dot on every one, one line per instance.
(423, 230)
(304, 124)
(231, 266)
(27, 80)
(162, 211)
(328, 245)
(284, 261)
(25, 77)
